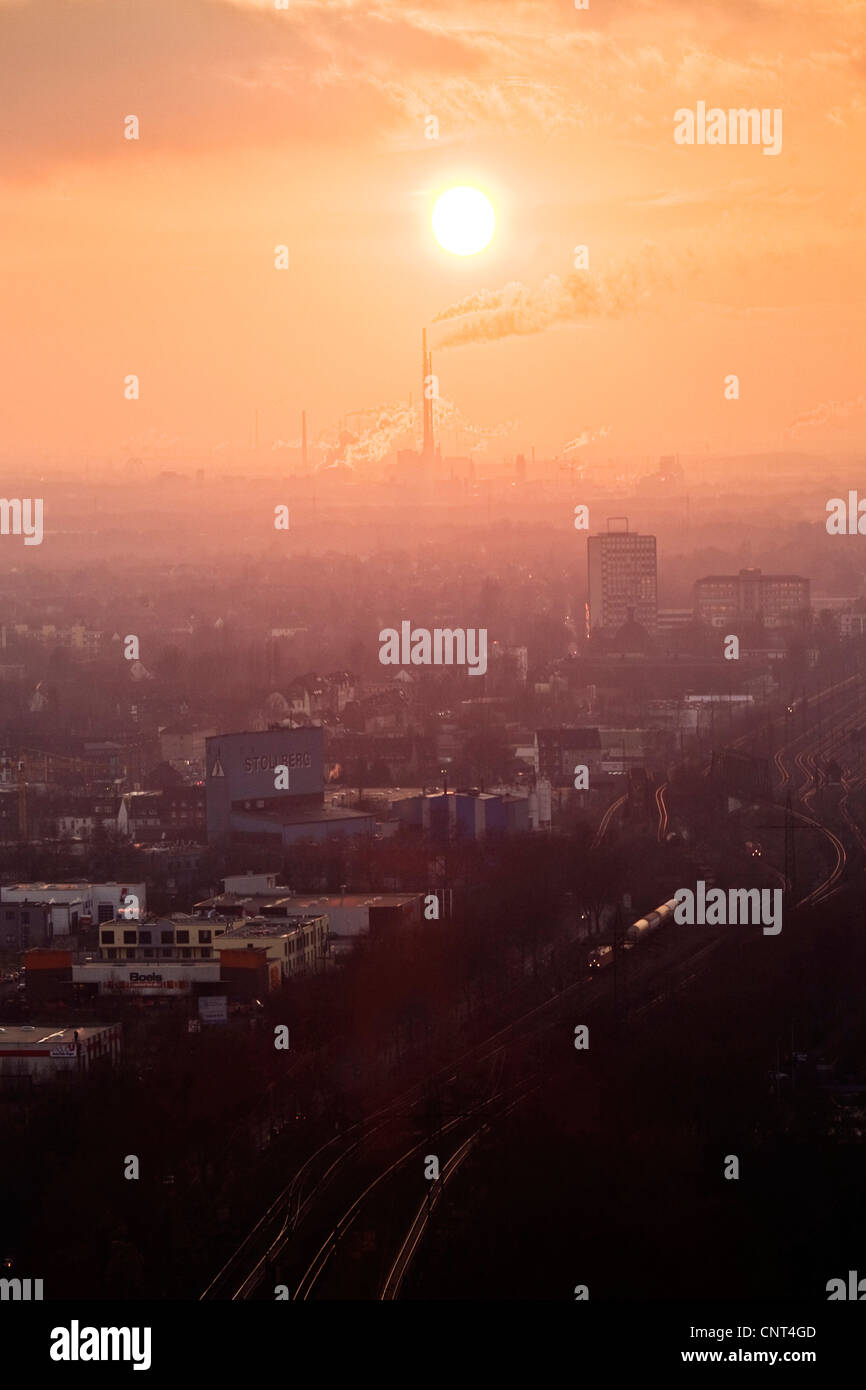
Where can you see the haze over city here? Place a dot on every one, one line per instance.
(432, 673)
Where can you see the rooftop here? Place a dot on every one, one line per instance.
(751, 574)
(322, 901)
(46, 887)
(254, 900)
(60, 887)
(299, 814)
(282, 926)
(45, 1034)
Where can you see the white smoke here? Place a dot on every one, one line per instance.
(390, 424)
(518, 309)
(825, 414)
(400, 425)
(587, 437)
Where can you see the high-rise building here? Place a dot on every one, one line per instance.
(623, 581)
(775, 600)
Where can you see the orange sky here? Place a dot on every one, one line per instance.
(306, 127)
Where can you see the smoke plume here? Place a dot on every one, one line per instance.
(518, 309)
(587, 436)
(826, 413)
(398, 423)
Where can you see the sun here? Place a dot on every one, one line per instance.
(464, 221)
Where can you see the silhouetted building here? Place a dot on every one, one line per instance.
(559, 751)
(632, 639)
(242, 773)
(775, 600)
(622, 581)
(244, 800)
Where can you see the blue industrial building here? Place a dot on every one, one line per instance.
(465, 814)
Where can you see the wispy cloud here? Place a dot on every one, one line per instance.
(211, 74)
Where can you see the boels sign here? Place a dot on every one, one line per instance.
(144, 982)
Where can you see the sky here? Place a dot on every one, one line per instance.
(307, 127)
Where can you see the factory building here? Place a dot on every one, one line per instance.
(269, 786)
(469, 814)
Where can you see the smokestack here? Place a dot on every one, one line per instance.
(427, 398)
(304, 440)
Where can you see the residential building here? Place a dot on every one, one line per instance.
(622, 581)
(772, 600)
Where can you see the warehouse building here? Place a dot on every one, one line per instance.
(86, 902)
(31, 1054)
(269, 787)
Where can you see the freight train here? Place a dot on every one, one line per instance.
(601, 956)
(638, 930)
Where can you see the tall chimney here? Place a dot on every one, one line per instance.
(427, 398)
(304, 440)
